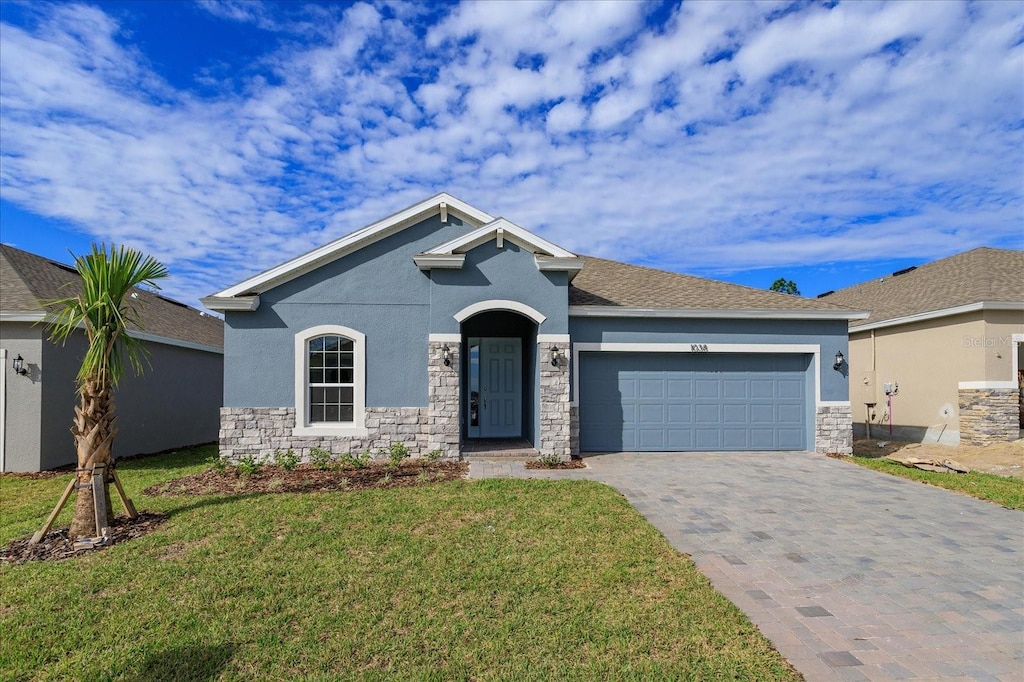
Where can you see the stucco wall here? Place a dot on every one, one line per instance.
(24, 395)
(380, 292)
(929, 359)
(176, 402)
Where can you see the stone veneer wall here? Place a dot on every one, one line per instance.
(833, 429)
(574, 430)
(262, 430)
(555, 436)
(443, 398)
(988, 415)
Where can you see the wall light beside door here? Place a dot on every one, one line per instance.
(18, 365)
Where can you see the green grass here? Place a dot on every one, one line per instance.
(1008, 492)
(498, 579)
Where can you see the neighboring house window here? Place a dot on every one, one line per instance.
(330, 367)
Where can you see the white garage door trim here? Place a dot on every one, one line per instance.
(801, 348)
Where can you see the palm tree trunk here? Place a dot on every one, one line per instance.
(94, 430)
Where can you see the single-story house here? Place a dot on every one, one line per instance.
(175, 403)
(940, 357)
(442, 324)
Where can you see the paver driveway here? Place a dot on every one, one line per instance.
(853, 574)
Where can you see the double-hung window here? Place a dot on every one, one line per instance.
(330, 382)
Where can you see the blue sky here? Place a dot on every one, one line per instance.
(823, 142)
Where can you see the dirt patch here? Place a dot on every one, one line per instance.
(1004, 459)
(57, 546)
(574, 463)
(306, 479)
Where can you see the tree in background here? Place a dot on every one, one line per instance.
(785, 286)
(104, 311)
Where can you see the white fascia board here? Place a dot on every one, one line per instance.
(448, 261)
(355, 241)
(222, 303)
(22, 317)
(944, 312)
(521, 236)
(572, 264)
(616, 311)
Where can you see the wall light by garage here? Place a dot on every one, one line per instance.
(839, 361)
(557, 356)
(446, 356)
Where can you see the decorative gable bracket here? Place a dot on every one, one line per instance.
(548, 256)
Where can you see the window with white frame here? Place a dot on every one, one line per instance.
(329, 381)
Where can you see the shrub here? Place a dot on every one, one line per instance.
(320, 458)
(433, 455)
(249, 465)
(221, 464)
(396, 454)
(550, 460)
(350, 461)
(287, 460)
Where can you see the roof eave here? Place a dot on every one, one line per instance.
(359, 239)
(935, 314)
(232, 303)
(726, 314)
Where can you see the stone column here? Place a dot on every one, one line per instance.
(554, 403)
(833, 429)
(988, 415)
(443, 398)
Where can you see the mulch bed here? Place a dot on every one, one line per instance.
(307, 479)
(574, 463)
(57, 546)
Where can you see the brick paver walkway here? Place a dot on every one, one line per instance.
(851, 573)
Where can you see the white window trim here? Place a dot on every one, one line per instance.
(302, 425)
(499, 304)
(800, 348)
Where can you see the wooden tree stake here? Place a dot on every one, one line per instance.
(128, 506)
(53, 515)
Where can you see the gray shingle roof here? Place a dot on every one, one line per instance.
(611, 283)
(982, 274)
(27, 279)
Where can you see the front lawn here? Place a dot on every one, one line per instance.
(499, 579)
(1003, 490)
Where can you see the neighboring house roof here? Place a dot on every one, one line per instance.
(598, 287)
(973, 280)
(606, 285)
(29, 280)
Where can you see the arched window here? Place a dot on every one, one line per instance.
(330, 381)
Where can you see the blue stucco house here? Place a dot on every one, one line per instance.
(441, 325)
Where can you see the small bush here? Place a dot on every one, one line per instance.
(249, 465)
(433, 455)
(549, 460)
(396, 454)
(350, 461)
(287, 460)
(221, 464)
(321, 459)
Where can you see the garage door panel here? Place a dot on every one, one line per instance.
(684, 401)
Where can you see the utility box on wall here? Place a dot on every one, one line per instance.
(868, 387)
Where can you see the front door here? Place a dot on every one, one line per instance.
(501, 388)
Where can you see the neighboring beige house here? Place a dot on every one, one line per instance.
(940, 357)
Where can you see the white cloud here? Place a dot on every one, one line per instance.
(569, 118)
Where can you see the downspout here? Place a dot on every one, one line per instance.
(3, 410)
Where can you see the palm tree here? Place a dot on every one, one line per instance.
(104, 310)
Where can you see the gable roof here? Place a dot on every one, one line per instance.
(245, 294)
(607, 287)
(452, 254)
(28, 280)
(982, 277)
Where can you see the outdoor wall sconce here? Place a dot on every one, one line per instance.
(18, 365)
(446, 356)
(557, 356)
(839, 361)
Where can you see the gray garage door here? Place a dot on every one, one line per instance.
(692, 401)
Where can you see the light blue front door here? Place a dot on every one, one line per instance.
(501, 388)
